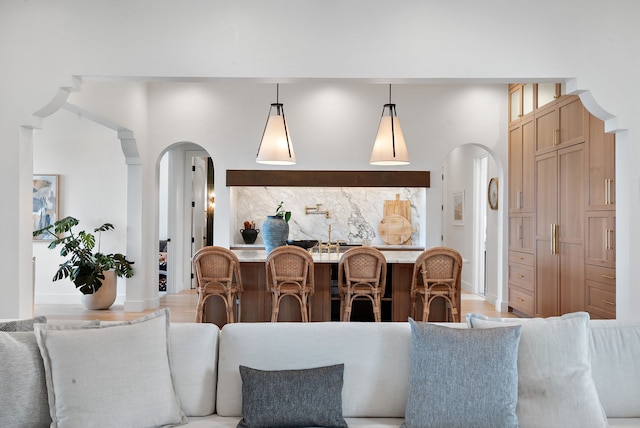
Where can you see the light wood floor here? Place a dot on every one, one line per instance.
(182, 307)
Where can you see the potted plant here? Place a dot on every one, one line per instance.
(89, 270)
(275, 228)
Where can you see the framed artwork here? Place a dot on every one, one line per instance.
(45, 203)
(458, 208)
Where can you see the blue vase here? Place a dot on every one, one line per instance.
(275, 232)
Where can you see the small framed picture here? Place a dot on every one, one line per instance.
(458, 208)
(45, 203)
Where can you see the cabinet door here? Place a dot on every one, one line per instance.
(572, 118)
(521, 233)
(521, 158)
(601, 176)
(570, 236)
(547, 292)
(515, 168)
(600, 237)
(546, 127)
(561, 124)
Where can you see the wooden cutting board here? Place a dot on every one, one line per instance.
(397, 206)
(395, 229)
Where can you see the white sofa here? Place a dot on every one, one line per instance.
(376, 358)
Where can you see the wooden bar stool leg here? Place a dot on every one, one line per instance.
(303, 309)
(275, 303)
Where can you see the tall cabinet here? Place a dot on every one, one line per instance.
(561, 207)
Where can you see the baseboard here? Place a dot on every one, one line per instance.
(67, 299)
(141, 305)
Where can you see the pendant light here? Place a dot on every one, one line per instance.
(275, 146)
(389, 147)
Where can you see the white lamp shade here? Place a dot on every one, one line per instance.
(383, 148)
(276, 147)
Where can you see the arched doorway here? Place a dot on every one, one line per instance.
(469, 224)
(186, 201)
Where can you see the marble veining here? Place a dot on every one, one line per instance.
(355, 212)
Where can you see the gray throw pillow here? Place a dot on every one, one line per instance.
(23, 391)
(292, 398)
(21, 325)
(459, 378)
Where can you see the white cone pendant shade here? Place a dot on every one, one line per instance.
(389, 147)
(275, 146)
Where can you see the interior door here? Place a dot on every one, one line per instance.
(198, 206)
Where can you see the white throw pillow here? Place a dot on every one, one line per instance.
(555, 386)
(118, 375)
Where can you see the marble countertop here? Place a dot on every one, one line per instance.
(392, 256)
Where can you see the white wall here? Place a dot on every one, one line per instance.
(588, 43)
(89, 160)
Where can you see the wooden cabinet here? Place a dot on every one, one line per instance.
(521, 156)
(601, 292)
(521, 233)
(600, 238)
(562, 239)
(559, 263)
(601, 149)
(560, 124)
(521, 100)
(521, 282)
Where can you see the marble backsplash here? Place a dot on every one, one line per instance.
(354, 212)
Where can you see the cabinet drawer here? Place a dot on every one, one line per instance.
(521, 276)
(601, 274)
(523, 258)
(521, 300)
(601, 300)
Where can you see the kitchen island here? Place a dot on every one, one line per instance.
(325, 302)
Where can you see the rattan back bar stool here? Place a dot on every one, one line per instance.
(218, 274)
(437, 274)
(362, 274)
(290, 272)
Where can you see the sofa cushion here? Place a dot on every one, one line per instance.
(615, 366)
(194, 363)
(462, 377)
(115, 375)
(292, 398)
(23, 391)
(555, 386)
(375, 358)
(21, 325)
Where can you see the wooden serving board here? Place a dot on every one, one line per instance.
(397, 206)
(395, 229)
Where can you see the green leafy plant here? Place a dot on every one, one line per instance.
(280, 212)
(84, 267)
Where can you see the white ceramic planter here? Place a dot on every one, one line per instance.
(105, 296)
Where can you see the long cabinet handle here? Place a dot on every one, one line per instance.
(556, 140)
(608, 276)
(608, 302)
(519, 199)
(554, 238)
